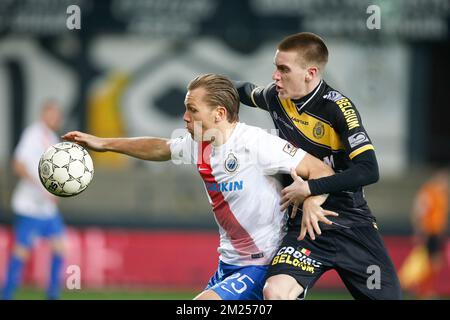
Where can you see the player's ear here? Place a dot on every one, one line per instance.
(311, 73)
(221, 114)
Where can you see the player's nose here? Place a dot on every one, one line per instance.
(186, 116)
(276, 75)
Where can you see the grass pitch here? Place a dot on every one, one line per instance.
(141, 294)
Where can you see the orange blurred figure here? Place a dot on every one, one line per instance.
(430, 214)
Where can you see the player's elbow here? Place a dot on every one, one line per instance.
(366, 169)
(376, 176)
(372, 174)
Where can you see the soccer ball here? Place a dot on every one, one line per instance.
(66, 169)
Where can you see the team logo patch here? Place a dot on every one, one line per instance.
(319, 130)
(333, 96)
(231, 163)
(357, 139)
(290, 149)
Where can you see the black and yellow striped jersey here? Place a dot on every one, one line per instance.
(326, 124)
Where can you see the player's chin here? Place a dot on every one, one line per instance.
(194, 137)
(282, 94)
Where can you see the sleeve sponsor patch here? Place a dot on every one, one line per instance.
(290, 149)
(357, 139)
(333, 96)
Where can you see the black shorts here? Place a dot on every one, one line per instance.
(357, 254)
(434, 244)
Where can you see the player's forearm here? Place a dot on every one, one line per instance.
(312, 168)
(21, 171)
(245, 92)
(145, 148)
(309, 168)
(364, 172)
(317, 172)
(318, 200)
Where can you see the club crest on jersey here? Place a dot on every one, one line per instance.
(231, 163)
(319, 130)
(290, 149)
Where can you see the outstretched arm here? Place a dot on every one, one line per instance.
(252, 95)
(145, 148)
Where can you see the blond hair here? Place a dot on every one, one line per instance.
(220, 91)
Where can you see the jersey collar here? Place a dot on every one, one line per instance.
(302, 102)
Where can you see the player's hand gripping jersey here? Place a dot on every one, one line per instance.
(244, 195)
(327, 125)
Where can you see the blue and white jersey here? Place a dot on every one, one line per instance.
(29, 197)
(244, 195)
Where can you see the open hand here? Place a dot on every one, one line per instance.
(295, 193)
(312, 214)
(85, 140)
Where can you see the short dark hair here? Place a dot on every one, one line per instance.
(220, 91)
(309, 46)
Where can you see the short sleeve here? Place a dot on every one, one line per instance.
(183, 149)
(275, 155)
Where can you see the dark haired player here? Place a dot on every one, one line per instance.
(325, 123)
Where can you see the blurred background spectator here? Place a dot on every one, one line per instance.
(36, 210)
(420, 272)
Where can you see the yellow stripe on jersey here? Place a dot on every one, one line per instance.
(360, 150)
(312, 128)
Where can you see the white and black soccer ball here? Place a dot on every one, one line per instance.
(66, 169)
